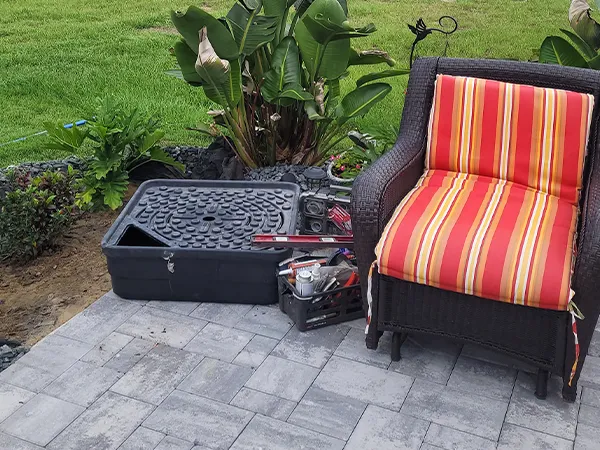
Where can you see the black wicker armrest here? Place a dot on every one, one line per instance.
(378, 190)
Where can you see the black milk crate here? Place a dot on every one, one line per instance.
(322, 309)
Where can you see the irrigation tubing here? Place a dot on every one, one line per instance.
(40, 133)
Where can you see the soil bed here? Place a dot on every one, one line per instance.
(42, 295)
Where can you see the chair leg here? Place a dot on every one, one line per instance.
(541, 386)
(397, 340)
(569, 393)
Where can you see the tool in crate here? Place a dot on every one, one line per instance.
(317, 290)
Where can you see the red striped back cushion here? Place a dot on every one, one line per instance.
(532, 136)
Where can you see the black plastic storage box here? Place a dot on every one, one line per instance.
(321, 309)
(191, 240)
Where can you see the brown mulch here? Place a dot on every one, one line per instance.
(42, 295)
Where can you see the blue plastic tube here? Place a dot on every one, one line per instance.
(40, 133)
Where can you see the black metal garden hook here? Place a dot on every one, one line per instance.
(421, 32)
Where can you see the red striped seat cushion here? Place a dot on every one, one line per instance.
(482, 236)
(528, 135)
(495, 213)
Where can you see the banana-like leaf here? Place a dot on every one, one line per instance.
(322, 61)
(556, 50)
(275, 7)
(583, 46)
(583, 24)
(193, 20)
(295, 92)
(310, 107)
(250, 30)
(370, 57)
(285, 69)
(324, 29)
(594, 63)
(302, 6)
(379, 75)
(233, 84)
(251, 5)
(213, 70)
(186, 58)
(359, 102)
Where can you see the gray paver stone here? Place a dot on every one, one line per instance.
(380, 428)
(227, 314)
(427, 358)
(163, 327)
(328, 413)
(157, 374)
(105, 424)
(200, 420)
(12, 443)
(587, 437)
(55, 354)
(270, 322)
(451, 439)
(41, 419)
(31, 378)
(283, 378)
(184, 308)
(494, 357)
(99, 320)
(313, 347)
(353, 347)
(517, 438)
(365, 383)
(106, 349)
(219, 342)
(12, 398)
(483, 378)
(256, 351)
(552, 415)
(589, 415)
(265, 432)
(215, 379)
(142, 439)
(130, 355)
(594, 348)
(590, 396)
(266, 404)
(83, 383)
(482, 416)
(590, 374)
(172, 443)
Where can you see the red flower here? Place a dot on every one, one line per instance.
(342, 167)
(358, 166)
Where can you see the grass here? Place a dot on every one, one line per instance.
(58, 56)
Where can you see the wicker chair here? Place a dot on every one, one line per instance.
(541, 337)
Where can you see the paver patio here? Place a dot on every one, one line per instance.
(179, 376)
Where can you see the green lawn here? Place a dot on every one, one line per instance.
(58, 56)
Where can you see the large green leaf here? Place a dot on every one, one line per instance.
(583, 24)
(295, 92)
(285, 69)
(556, 50)
(186, 59)
(193, 20)
(379, 75)
(583, 46)
(275, 7)
(370, 57)
(233, 84)
(322, 61)
(159, 155)
(250, 30)
(359, 102)
(324, 29)
(302, 6)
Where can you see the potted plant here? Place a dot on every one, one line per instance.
(277, 81)
(366, 149)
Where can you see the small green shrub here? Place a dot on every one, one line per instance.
(35, 214)
(122, 141)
